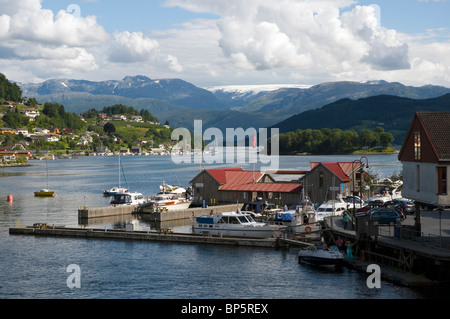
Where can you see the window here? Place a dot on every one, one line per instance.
(442, 180)
(417, 146)
(320, 179)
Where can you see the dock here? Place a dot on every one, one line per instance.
(166, 236)
(410, 262)
(162, 216)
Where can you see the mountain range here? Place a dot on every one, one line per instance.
(181, 102)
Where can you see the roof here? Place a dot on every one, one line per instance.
(219, 174)
(341, 169)
(437, 126)
(264, 187)
(236, 179)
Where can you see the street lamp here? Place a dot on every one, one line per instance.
(361, 169)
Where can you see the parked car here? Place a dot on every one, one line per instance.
(365, 210)
(408, 206)
(386, 216)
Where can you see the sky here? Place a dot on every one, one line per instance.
(227, 42)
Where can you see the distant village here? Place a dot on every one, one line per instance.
(30, 146)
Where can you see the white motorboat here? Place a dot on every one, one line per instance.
(234, 224)
(299, 218)
(319, 255)
(128, 199)
(169, 199)
(332, 208)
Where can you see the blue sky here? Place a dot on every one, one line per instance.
(227, 42)
(410, 16)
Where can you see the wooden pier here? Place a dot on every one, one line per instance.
(167, 236)
(408, 262)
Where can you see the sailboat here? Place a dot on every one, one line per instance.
(115, 190)
(45, 192)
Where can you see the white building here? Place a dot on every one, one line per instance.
(425, 156)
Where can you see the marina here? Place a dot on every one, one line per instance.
(121, 254)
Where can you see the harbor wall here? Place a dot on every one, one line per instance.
(55, 231)
(189, 213)
(98, 212)
(107, 211)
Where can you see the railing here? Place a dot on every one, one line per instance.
(406, 233)
(386, 260)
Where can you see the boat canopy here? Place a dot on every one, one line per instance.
(256, 206)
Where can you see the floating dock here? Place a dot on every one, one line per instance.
(61, 231)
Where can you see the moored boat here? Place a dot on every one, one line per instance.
(234, 224)
(44, 193)
(169, 199)
(128, 199)
(114, 191)
(322, 256)
(299, 218)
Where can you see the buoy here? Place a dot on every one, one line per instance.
(10, 198)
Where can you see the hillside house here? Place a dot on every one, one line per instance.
(6, 130)
(41, 131)
(425, 155)
(30, 113)
(23, 131)
(234, 185)
(51, 138)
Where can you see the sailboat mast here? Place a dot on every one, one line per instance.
(119, 168)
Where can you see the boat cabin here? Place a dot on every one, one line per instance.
(225, 218)
(127, 199)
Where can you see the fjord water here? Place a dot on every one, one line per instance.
(36, 267)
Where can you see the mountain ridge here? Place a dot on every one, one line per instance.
(181, 102)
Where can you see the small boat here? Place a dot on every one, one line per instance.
(234, 224)
(299, 218)
(128, 199)
(114, 191)
(322, 256)
(44, 193)
(169, 199)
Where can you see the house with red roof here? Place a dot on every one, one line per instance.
(425, 155)
(234, 185)
(326, 180)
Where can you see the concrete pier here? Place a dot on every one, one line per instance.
(107, 211)
(187, 213)
(119, 210)
(60, 231)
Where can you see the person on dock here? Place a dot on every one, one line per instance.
(349, 245)
(345, 221)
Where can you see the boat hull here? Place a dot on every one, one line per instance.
(320, 261)
(249, 232)
(44, 194)
(320, 257)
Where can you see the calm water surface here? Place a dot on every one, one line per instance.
(34, 268)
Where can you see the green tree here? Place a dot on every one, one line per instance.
(386, 139)
(367, 139)
(15, 120)
(109, 128)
